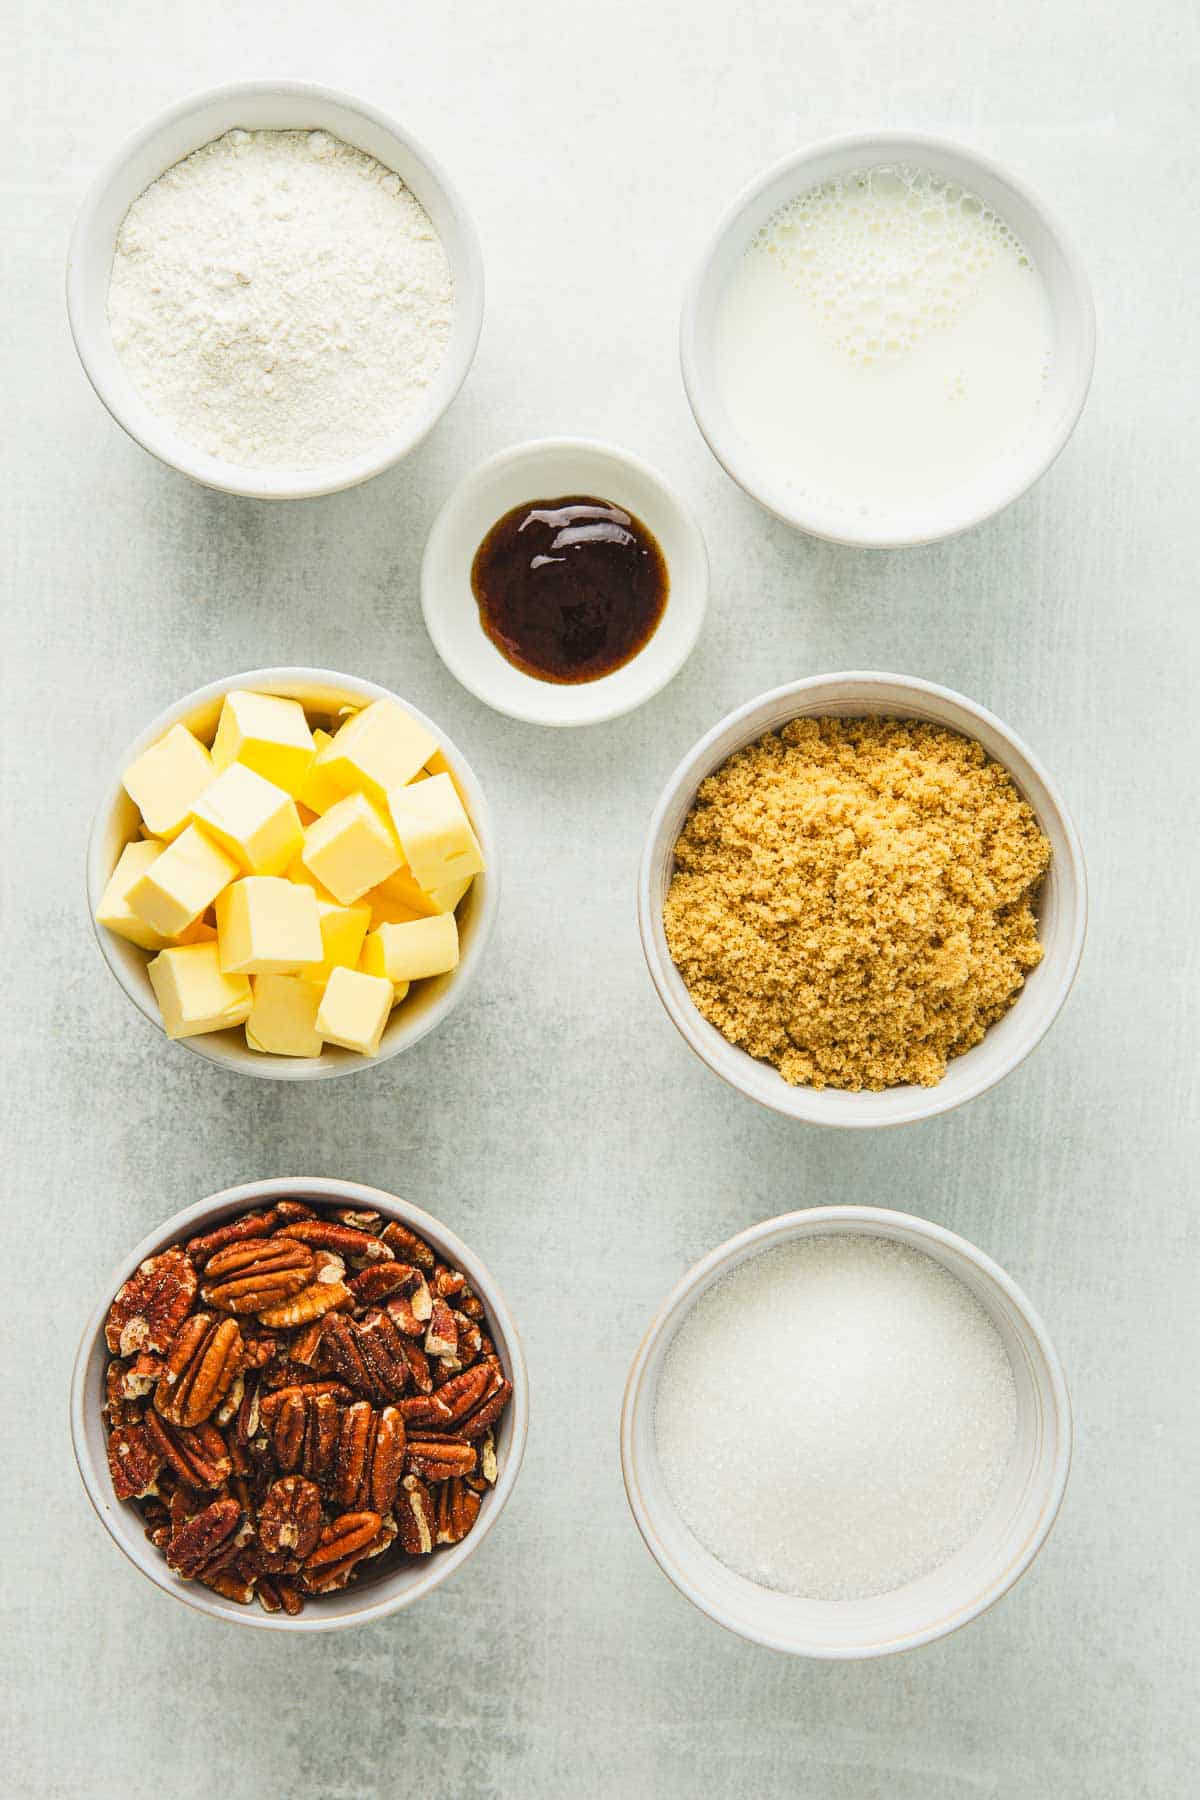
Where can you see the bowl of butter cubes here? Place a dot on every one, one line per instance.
(293, 873)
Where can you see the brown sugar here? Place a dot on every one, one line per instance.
(853, 899)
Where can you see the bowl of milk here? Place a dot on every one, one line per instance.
(890, 339)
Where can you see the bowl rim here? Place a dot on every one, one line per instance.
(780, 1229)
(802, 1103)
(324, 1190)
(281, 1068)
(477, 478)
(698, 379)
(157, 436)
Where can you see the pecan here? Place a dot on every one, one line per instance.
(306, 1345)
(463, 1393)
(133, 1462)
(289, 1212)
(303, 1430)
(447, 1282)
(411, 1306)
(344, 1355)
(441, 1339)
(345, 1241)
(406, 1245)
(438, 1458)
(198, 1456)
(376, 1283)
(231, 1405)
(425, 1410)
(418, 1367)
(250, 1225)
(277, 1595)
(361, 1220)
(483, 1420)
(383, 1353)
(343, 1537)
(326, 1292)
(230, 1585)
(457, 1511)
(370, 1458)
(337, 1574)
(487, 1460)
(290, 1517)
(416, 1517)
(199, 1369)
(248, 1278)
(152, 1305)
(201, 1545)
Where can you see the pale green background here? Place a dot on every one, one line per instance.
(557, 1121)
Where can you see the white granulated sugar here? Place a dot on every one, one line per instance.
(281, 299)
(835, 1416)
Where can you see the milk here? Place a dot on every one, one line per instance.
(884, 339)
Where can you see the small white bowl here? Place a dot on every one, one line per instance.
(116, 824)
(1061, 907)
(1005, 1544)
(546, 469)
(173, 135)
(1054, 256)
(367, 1599)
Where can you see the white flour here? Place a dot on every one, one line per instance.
(280, 298)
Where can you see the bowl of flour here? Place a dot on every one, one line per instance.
(274, 289)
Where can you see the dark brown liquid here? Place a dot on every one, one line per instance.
(569, 589)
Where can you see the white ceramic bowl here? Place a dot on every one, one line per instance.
(173, 135)
(1061, 908)
(1005, 1544)
(366, 1599)
(547, 469)
(116, 824)
(1057, 262)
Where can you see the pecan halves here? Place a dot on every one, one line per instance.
(344, 1536)
(289, 1520)
(457, 1510)
(199, 1369)
(249, 1277)
(370, 1458)
(202, 1544)
(410, 1307)
(198, 1456)
(416, 1516)
(325, 1291)
(438, 1458)
(441, 1339)
(343, 1352)
(383, 1352)
(152, 1305)
(346, 1241)
(133, 1462)
(250, 1225)
(406, 1246)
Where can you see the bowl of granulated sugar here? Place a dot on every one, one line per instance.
(846, 1433)
(275, 289)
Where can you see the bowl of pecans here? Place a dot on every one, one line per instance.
(301, 1404)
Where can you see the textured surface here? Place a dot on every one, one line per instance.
(556, 1120)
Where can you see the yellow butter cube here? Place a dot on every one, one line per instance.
(167, 780)
(319, 790)
(114, 910)
(350, 849)
(378, 749)
(343, 929)
(283, 1018)
(182, 882)
(193, 992)
(413, 951)
(435, 833)
(296, 871)
(404, 889)
(269, 735)
(253, 819)
(387, 911)
(439, 765)
(354, 1010)
(200, 931)
(267, 926)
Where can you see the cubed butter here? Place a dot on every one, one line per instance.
(269, 735)
(114, 910)
(267, 926)
(200, 931)
(385, 910)
(404, 889)
(283, 1018)
(350, 849)
(319, 790)
(251, 818)
(380, 748)
(343, 929)
(438, 764)
(182, 882)
(193, 992)
(435, 833)
(411, 952)
(167, 780)
(354, 1010)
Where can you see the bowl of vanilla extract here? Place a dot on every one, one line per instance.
(564, 582)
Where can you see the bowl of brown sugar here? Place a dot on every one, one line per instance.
(862, 900)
